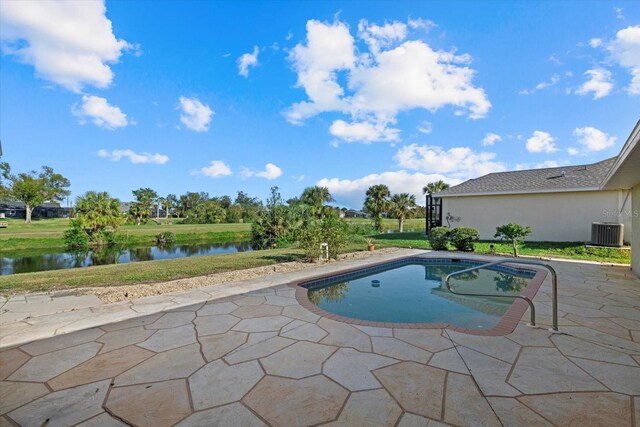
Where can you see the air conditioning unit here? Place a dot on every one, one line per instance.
(607, 234)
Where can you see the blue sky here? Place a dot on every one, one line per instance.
(226, 96)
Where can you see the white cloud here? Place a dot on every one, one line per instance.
(490, 139)
(366, 132)
(216, 169)
(599, 83)
(594, 43)
(248, 60)
(593, 139)
(541, 142)
(69, 43)
(395, 75)
(377, 37)
(420, 23)
(542, 85)
(619, 13)
(458, 162)
(194, 114)
(425, 127)
(543, 165)
(573, 151)
(135, 158)
(351, 192)
(100, 113)
(413, 75)
(270, 172)
(329, 48)
(625, 50)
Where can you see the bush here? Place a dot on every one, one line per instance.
(438, 238)
(331, 229)
(356, 229)
(75, 237)
(463, 238)
(166, 238)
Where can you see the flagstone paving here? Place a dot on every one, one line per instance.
(257, 358)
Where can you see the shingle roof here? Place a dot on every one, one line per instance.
(566, 178)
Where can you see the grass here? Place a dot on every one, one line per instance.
(569, 250)
(143, 272)
(48, 234)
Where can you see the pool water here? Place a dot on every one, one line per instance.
(413, 292)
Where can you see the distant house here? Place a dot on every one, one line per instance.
(355, 214)
(46, 210)
(124, 207)
(558, 203)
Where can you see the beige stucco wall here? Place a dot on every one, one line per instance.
(635, 234)
(559, 217)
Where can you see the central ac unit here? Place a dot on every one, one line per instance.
(607, 234)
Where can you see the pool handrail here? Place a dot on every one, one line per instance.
(554, 286)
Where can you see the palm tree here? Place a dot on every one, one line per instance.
(170, 201)
(316, 197)
(434, 187)
(377, 202)
(160, 202)
(97, 212)
(402, 206)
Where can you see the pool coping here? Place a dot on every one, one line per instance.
(506, 325)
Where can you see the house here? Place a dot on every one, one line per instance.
(355, 214)
(559, 204)
(46, 210)
(625, 175)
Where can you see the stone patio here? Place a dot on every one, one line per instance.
(259, 358)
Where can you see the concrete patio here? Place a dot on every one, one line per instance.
(249, 354)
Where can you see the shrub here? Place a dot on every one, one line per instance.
(438, 238)
(331, 229)
(463, 238)
(513, 232)
(166, 238)
(356, 229)
(75, 237)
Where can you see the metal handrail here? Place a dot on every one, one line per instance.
(554, 284)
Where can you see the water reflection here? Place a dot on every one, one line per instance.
(509, 283)
(331, 294)
(114, 255)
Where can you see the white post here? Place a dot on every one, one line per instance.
(324, 248)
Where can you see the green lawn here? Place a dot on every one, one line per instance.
(47, 233)
(143, 272)
(570, 250)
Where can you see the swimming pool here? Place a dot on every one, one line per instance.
(410, 291)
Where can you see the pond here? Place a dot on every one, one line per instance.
(113, 255)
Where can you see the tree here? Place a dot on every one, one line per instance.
(170, 202)
(434, 187)
(250, 206)
(5, 180)
(140, 210)
(402, 207)
(516, 233)
(34, 188)
(316, 197)
(161, 201)
(276, 223)
(377, 202)
(97, 215)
